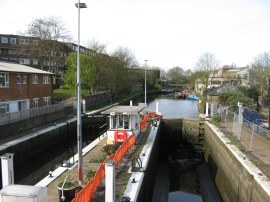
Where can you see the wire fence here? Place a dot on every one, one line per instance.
(253, 136)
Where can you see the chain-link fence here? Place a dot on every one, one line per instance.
(254, 136)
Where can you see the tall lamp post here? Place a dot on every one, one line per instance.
(79, 118)
(145, 81)
(269, 103)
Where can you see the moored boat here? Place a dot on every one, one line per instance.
(125, 121)
(192, 97)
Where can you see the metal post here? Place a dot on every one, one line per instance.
(7, 169)
(79, 126)
(84, 107)
(145, 81)
(206, 110)
(269, 103)
(110, 181)
(252, 135)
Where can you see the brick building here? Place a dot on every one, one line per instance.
(23, 87)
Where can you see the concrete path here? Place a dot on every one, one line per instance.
(93, 152)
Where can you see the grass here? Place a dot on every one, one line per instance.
(71, 91)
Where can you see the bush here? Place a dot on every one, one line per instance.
(110, 149)
(60, 97)
(216, 119)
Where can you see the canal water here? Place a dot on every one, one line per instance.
(181, 168)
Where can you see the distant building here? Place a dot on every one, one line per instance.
(233, 76)
(23, 87)
(229, 75)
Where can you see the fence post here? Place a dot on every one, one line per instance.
(252, 134)
(110, 181)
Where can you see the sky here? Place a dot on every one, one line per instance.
(166, 33)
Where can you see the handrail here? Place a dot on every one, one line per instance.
(87, 193)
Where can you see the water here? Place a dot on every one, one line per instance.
(177, 179)
(175, 108)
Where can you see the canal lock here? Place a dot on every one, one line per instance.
(182, 155)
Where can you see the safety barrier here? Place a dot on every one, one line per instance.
(144, 121)
(146, 118)
(87, 193)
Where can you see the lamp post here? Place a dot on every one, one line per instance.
(269, 103)
(145, 81)
(79, 118)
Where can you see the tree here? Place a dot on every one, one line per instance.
(49, 32)
(260, 71)
(97, 46)
(176, 74)
(127, 56)
(115, 77)
(100, 62)
(206, 64)
(87, 76)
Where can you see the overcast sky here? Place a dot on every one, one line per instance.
(166, 33)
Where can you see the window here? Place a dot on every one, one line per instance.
(24, 41)
(35, 61)
(120, 121)
(35, 102)
(19, 79)
(35, 79)
(46, 101)
(12, 40)
(24, 79)
(4, 40)
(35, 42)
(4, 108)
(46, 79)
(24, 61)
(4, 80)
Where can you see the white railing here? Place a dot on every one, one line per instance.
(26, 114)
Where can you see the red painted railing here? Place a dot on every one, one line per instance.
(88, 192)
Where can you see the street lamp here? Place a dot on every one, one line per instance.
(145, 81)
(79, 118)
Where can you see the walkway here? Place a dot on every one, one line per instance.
(91, 154)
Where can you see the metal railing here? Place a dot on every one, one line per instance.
(7, 118)
(255, 138)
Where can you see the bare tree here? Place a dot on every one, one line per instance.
(206, 64)
(260, 71)
(48, 33)
(49, 28)
(97, 46)
(127, 56)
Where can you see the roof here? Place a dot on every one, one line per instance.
(124, 110)
(10, 67)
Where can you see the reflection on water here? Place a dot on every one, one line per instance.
(175, 108)
(181, 196)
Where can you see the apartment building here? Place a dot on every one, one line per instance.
(23, 87)
(41, 54)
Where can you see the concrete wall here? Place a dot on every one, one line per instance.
(28, 146)
(235, 176)
(17, 128)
